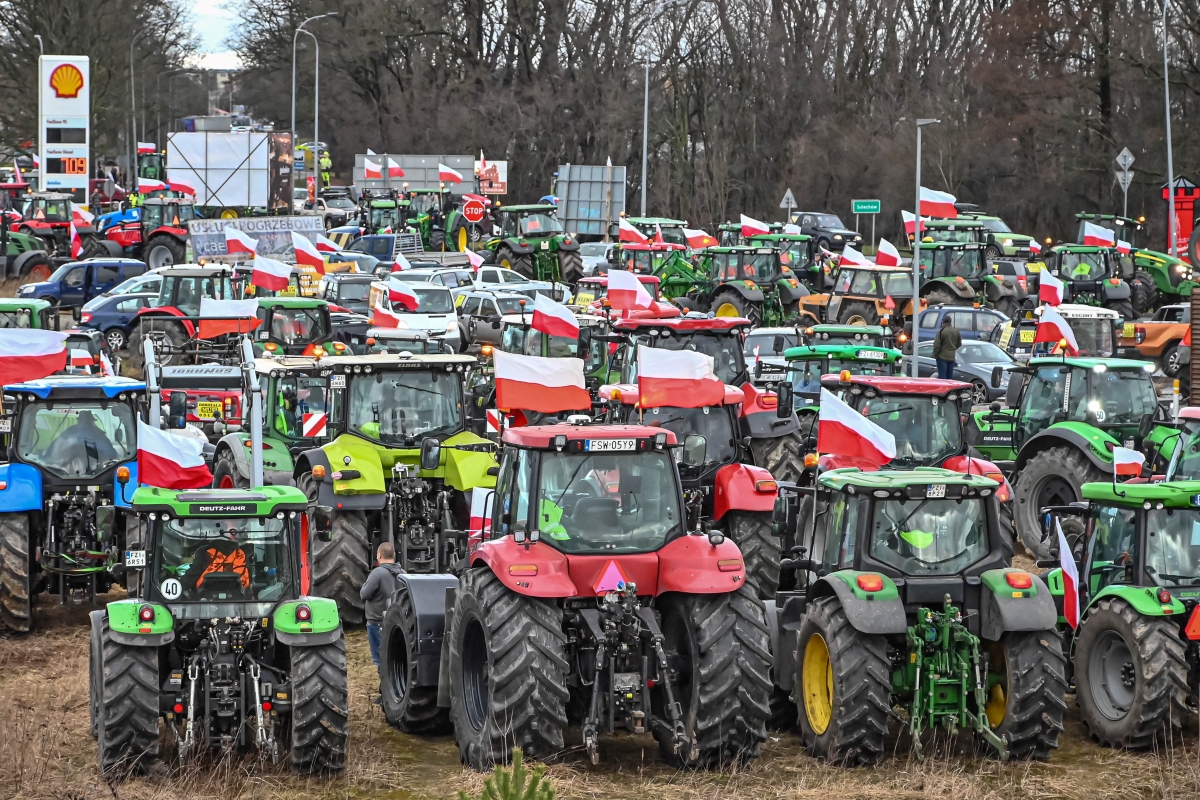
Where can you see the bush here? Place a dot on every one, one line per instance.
(509, 783)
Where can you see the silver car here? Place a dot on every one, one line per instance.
(597, 257)
(479, 314)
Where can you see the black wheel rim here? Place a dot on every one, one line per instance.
(475, 673)
(397, 672)
(1056, 491)
(1112, 676)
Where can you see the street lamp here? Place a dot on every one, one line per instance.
(133, 114)
(645, 134)
(916, 277)
(1171, 237)
(294, 35)
(41, 44)
(158, 98)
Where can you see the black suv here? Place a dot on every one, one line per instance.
(827, 230)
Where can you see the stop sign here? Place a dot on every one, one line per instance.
(472, 210)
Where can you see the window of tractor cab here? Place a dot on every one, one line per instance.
(805, 377)
(404, 407)
(184, 292)
(76, 440)
(1083, 266)
(765, 342)
(760, 267)
(540, 225)
(554, 346)
(1113, 545)
(725, 350)
(297, 399)
(1042, 402)
(237, 559)
(1094, 336)
(929, 536)
(1173, 546)
(1185, 462)
(1112, 397)
(927, 428)
(513, 339)
(20, 318)
(714, 424)
(841, 537)
(294, 325)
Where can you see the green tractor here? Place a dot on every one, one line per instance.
(1136, 650)
(296, 326)
(738, 281)
(1091, 276)
(1065, 416)
(221, 644)
(401, 469)
(532, 242)
(672, 229)
(901, 594)
(957, 274)
(23, 255)
(1156, 278)
(807, 363)
(22, 313)
(435, 214)
(797, 251)
(381, 211)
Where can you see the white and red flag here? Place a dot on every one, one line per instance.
(394, 170)
(625, 291)
(1034, 247)
(851, 257)
(553, 319)
(1050, 289)
(910, 222)
(181, 187)
(372, 169)
(401, 294)
(239, 243)
(1127, 463)
(169, 461)
(146, 147)
(270, 274)
(534, 383)
(81, 359)
(76, 242)
(1124, 248)
(475, 259)
(628, 233)
(698, 240)
(677, 378)
(843, 431)
(1070, 577)
(81, 215)
(887, 255)
(382, 318)
(1096, 236)
(937, 204)
(325, 244)
(448, 175)
(400, 263)
(219, 317)
(307, 253)
(149, 185)
(1054, 329)
(753, 227)
(27, 354)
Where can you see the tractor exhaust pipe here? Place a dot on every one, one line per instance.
(250, 379)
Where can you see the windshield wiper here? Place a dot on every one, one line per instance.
(889, 411)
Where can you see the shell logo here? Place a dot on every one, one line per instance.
(66, 81)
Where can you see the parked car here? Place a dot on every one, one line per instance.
(1157, 339)
(299, 198)
(972, 323)
(457, 281)
(491, 277)
(973, 364)
(74, 283)
(348, 290)
(1017, 272)
(385, 246)
(113, 316)
(827, 230)
(333, 213)
(479, 314)
(597, 256)
(434, 314)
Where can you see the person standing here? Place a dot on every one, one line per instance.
(326, 168)
(945, 348)
(376, 591)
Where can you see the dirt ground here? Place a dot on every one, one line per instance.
(48, 753)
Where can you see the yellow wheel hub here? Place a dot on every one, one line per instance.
(816, 682)
(997, 702)
(504, 262)
(728, 310)
(229, 213)
(857, 320)
(462, 240)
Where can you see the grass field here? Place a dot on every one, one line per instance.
(48, 753)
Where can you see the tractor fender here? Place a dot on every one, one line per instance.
(23, 488)
(113, 249)
(324, 627)
(19, 263)
(428, 596)
(693, 565)
(759, 414)
(735, 490)
(1003, 608)
(1121, 291)
(995, 288)
(879, 612)
(961, 290)
(234, 443)
(126, 628)
(516, 247)
(1144, 600)
(325, 493)
(974, 465)
(789, 294)
(551, 580)
(1083, 437)
(563, 243)
(754, 295)
(465, 469)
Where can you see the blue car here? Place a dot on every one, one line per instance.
(113, 316)
(75, 283)
(972, 323)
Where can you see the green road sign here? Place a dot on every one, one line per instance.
(864, 206)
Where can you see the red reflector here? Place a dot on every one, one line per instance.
(1164, 596)
(1019, 580)
(266, 705)
(303, 613)
(177, 708)
(870, 583)
(1192, 631)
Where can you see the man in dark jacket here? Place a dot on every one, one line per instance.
(376, 591)
(945, 348)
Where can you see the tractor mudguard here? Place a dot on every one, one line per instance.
(501, 555)
(754, 295)
(563, 243)
(691, 564)
(465, 469)
(428, 595)
(22, 488)
(974, 465)
(789, 294)
(17, 269)
(443, 683)
(323, 628)
(961, 290)
(128, 629)
(996, 287)
(123, 495)
(166, 311)
(235, 444)
(735, 490)
(1121, 291)
(879, 612)
(352, 453)
(517, 247)
(1164, 439)
(1004, 608)
(325, 488)
(759, 417)
(1085, 438)
(1144, 600)
(784, 628)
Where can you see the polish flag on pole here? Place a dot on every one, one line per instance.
(394, 170)
(76, 242)
(270, 274)
(887, 255)
(449, 175)
(230, 316)
(1127, 463)
(677, 378)
(1050, 289)
(382, 318)
(843, 431)
(534, 383)
(851, 257)
(307, 253)
(149, 185)
(1124, 248)
(553, 319)
(370, 152)
(475, 259)
(630, 234)
(752, 227)
(625, 291)
(146, 147)
(169, 461)
(937, 204)
(326, 245)
(27, 354)
(698, 240)
(238, 243)
(1070, 577)
(372, 169)
(182, 188)
(910, 222)
(81, 359)
(400, 263)
(401, 295)
(1054, 329)
(1034, 247)
(1095, 236)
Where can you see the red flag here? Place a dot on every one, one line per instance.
(394, 170)
(1070, 576)
(149, 185)
(625, 291)
(937, 204)
(842, 430)
(76, 242)
(677, 379)
(307, 253)
(534, 383)
(887, 255)
(698, 240)
(270, 274)
(449, 175)
(169, 461)
(28, 354)
(382, 318)
(326, 245)
(239, 243)
(1050, 289)
(628, 233)
(371, 169)
(553, 319)
(233, 316)
(1127, 463)
(1054, 329)
(752, 227)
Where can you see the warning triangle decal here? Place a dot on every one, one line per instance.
(612, 579)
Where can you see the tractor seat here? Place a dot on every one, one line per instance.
(595, 516)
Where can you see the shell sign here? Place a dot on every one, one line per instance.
(66, 81)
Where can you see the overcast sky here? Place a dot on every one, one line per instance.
(212, 21)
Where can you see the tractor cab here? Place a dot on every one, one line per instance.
(296, 327)
(590, 291)
(152, 166)
(956, 231)
(797, 252)
(958, 273)
(1092, 276)
(806, 365)
(859, 335)
(719, 337)
(19, 313)
(172, 323)
(383, 215)
(428, 202)
(533, 221)
(672, 229)
(532, 241)
(166, 212)
(1095, 332)
(644, 259)
(47, 209)
(863, 296)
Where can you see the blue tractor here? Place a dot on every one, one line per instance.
(67, 439)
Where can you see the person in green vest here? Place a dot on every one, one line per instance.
(326, 168)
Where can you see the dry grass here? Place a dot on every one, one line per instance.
(48, 753)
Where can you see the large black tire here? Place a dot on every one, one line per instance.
(782, 456)
(127, 709)
(721, 647)
(411, 708)
(1026, 707)
(1124, 308)
(940, 296)
(437, 240)
(728, 303)
(1008, 306)
(225, 472)
(1052, 477)
(755, 536)
(16, 612)
(508, 670)
(843, 687)
(34, 266)
(95, 669)
(1114, 644)
(163, 251)
(858, 314)
(570, 264)
(340, 566)
(1143, 292)
(159, 329)
(320, 707)
(522, 263)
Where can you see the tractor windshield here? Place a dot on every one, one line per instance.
(931, 536)
(1185, 462)
(399, 407)
(540, 225)
(80, 439)
(927, 428)
(607, 503)
(234, 560)
(1083, 266)
(384, 218)
(295, 326)
(425, 202)
(897, 284)
(714, 424)
(761, 267)
(726, 350)
(16, 319)
(1094, 337)
(1173, 546)
(953, 263)
(43, 209)
(302, 407)
(672, 234)
(1114, 397)
(157, 215)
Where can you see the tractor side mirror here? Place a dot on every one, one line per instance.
(106, 520)
(786, 393)
(322, 520)
(585, 340)
(777, 345)
(493, 471)
(431, 454)
(1145, 426)
(694, 448)
(997, 376)
(177, 410)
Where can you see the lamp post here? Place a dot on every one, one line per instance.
(645, 134)
(294, 35)
(1171, 237)
(41, 44)
(132, 178)
(916, 268)
(158, 98)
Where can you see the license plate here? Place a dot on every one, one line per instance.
(874, 355)
(5, 426)
(337, 382)
(1027, 336)
(545, 245)
(208, 409)
(135, 558)
(608, 445)
(1127, 330)
(936, 490)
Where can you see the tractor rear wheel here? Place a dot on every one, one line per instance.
(858, 314)
(225, 472)
(728, 303)
(169, 339)
(437, 240)
(16, 612)
(570, 264)
(127, 706)
(843, 682)
(508, 671)
(782, 456)
(340, 566)
(411, 708)
(1026, 705)
(1053, 477)
(720, 648)
(755, 537)
(163, 251)
(1131, 676)
(522, 263)
(939, 296)
(1143, 292)
(1124, 308)
(320, 707)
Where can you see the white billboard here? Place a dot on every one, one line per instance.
(226, 169)
(64, 124)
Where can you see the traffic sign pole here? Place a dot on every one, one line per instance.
(1124, 177)
(869, 207)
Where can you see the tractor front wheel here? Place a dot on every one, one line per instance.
(1144, 292)
(1025, 702)
(858, 314)
(508, 672)
(16, 612)
(522, 263)
(570, 264)
(320, 707)
(755, 537)
(411, 708)
(127, 707)
(169, 339)
(843, 686)
(729, 303)
(1131, 676)
(782, 456)
(1053, 477)
(163, 251)
(340, 566)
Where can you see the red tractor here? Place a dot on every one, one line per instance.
(722, 490)
(171, 323)
(159, 237)
(48, 216)
(588, 601)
